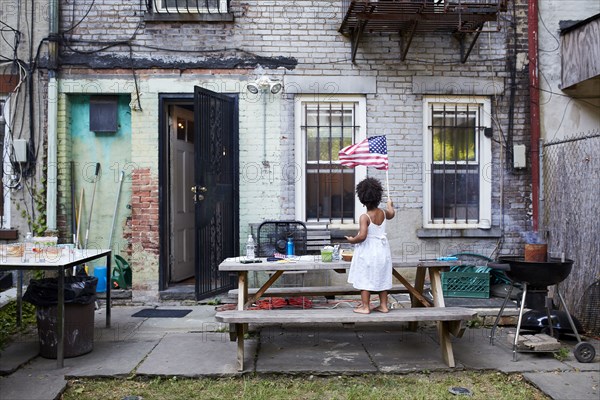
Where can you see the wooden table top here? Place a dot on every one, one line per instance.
(309, 262)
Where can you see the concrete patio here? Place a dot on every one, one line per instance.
(197, 346)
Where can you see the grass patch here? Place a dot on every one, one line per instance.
(8, 321)
(483, 385)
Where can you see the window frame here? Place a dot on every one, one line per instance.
(223, 8)
(360, 172)
(483, 105)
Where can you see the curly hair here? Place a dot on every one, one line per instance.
(369, 192)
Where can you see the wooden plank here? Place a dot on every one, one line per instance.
(287, 316)
(243, 288)
(445, 343)
(411, 289)
(310, 262)
(263, 288)
(313, 291)
(240, 346)
(437, 292)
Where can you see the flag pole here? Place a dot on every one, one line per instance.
(387, 182)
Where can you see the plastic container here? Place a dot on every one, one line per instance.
(250, 248)
(327, 254)
(466, 284)
(100, 273)
(290, 247)
(79, 329)
(28, 247)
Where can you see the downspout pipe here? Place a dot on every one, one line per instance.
(52, 167)
(534, 108)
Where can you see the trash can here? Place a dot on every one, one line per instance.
(80, 296)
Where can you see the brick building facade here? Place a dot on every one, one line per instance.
(125, 50)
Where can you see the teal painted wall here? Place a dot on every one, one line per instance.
(113, 152)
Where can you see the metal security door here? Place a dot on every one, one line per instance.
(215, 190)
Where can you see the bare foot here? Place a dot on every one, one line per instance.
(362, 310)
(381, 308)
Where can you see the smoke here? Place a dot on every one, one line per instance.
(532, 238)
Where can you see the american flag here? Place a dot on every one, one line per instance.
(371, 152)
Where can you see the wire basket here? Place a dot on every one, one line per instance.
(466, 284)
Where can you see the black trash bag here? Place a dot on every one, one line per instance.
(78, 289)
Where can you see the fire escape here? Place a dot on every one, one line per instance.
(463, 19)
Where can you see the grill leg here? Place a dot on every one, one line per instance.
(564, 306)
(493, 333)
(516, 341)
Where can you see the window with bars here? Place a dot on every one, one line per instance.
(326, 191)
(457, 193)
(188, 6)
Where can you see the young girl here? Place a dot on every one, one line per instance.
(371, 268)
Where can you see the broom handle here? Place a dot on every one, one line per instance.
(116, 205)
(87, 231)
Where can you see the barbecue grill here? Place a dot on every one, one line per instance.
(539, 275)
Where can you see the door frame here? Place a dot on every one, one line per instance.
(164, 214)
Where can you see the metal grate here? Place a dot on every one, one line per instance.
(455, 131)
(418, 15)
(328, 127)
(570, 195)
(188, 6)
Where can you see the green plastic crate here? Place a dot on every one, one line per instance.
(466, 284)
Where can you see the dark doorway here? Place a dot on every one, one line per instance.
(198, 149)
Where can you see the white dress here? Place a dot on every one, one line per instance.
(371, 267)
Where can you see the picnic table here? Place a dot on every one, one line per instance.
(448, 319)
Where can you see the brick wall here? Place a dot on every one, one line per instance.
(300, 38)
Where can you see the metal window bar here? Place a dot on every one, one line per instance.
(323, 170)
(449, 134)
(159, 6)
(318, 160)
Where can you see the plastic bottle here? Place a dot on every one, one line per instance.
(28, 248)
(336, 253)
(290, 247)
(250, 248)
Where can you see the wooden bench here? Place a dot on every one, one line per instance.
(344, 290)
(449, 320)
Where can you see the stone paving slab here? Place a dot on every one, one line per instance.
(303, 349)
(561, 385)
(107, 359)
(196, 355)
(474, 351)
(401, 351)
(33, 384)
(17, 354)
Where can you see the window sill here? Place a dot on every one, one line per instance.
(9, 234)
(459, 233)
(206, 17)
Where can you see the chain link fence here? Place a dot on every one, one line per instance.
(571, 203)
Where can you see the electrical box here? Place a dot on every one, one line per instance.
(519, 156)
(103, 114)
(20, 150)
